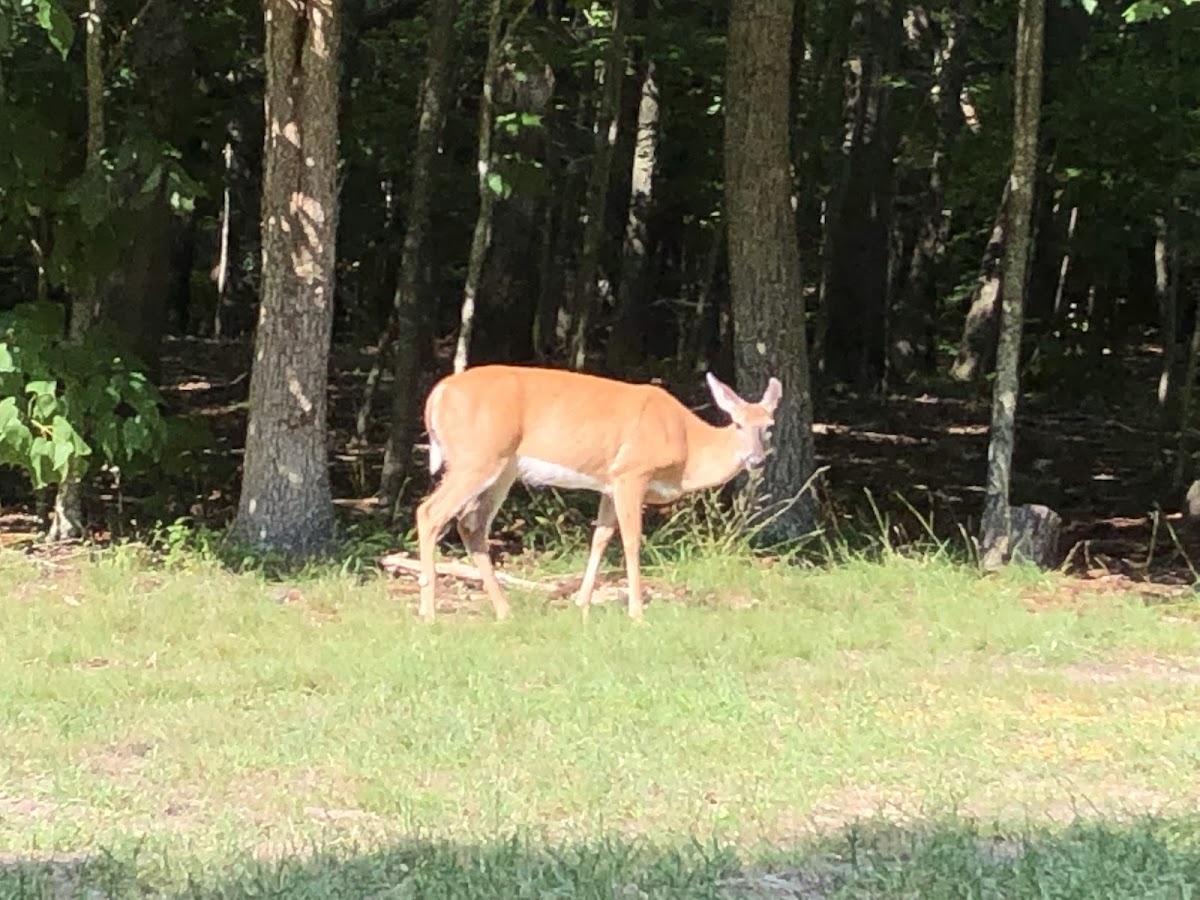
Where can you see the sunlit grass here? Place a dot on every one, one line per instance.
(212, 716)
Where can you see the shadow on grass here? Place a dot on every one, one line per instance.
(952, 858)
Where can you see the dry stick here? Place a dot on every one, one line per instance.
(395, 562)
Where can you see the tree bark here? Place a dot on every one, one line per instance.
(285, 504)
(1166, 292)
(406, 305)
(66, 520)
(996, 527)
(482, 236)
(625, 345)
(764, 256)
(604, 139)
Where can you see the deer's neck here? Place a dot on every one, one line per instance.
(713, 456)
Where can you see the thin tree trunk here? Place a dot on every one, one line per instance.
(764, 255)
(482, 237)
(285, 503)
(585, 295)
(625, 345)
(221, 270)
(1166, 292)
(996, 526)
(1064, 266)
(406, 306)
(66, 521)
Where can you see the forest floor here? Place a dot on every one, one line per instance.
(908, 466)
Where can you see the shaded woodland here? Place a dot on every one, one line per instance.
(821, 190)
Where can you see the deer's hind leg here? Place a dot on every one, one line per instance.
(455, 496)
(474, 522)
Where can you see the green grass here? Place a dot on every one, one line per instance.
(845, 727)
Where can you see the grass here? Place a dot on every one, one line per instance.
(894, 728)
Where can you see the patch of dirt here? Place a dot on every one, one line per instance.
(789, 884)
(1177, 670)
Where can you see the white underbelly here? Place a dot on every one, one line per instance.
(664, 492)
(540, 473)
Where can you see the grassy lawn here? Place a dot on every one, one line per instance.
(869, 729)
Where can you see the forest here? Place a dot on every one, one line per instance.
(905, 212)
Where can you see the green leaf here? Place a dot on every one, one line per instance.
(7, 363)
(45, 402)
(497, 185)
(41, 461)
(15, 436)
(57, 25)
(1089, 6)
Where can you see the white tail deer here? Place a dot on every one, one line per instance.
(632, 443)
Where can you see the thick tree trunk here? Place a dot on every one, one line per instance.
(996, 528)
(586, 293)
(764, 256)
(405, 354)
(1187, 394)
(285, 503)
(861, 221)
(625, 345)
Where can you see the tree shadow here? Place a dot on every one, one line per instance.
(953, 857)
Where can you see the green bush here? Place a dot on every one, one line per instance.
(65, 405)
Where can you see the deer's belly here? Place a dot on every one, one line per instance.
(540, 473)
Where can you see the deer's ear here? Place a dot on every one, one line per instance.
(770, 397)
(723, 395)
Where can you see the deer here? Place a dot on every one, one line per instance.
(634, 444)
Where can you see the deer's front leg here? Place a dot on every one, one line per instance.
(628, 495)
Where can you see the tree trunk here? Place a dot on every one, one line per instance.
(764, 256)
(285, 503)
(861, 221)
(978, 342)
(585, 295)
(1187, 394)
(625, 345)
(405, 355)
(1166, 292)
(66, 521)
(482, 237)
(996, 527)
(220, 271)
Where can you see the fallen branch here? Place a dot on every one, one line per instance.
(395, 562)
